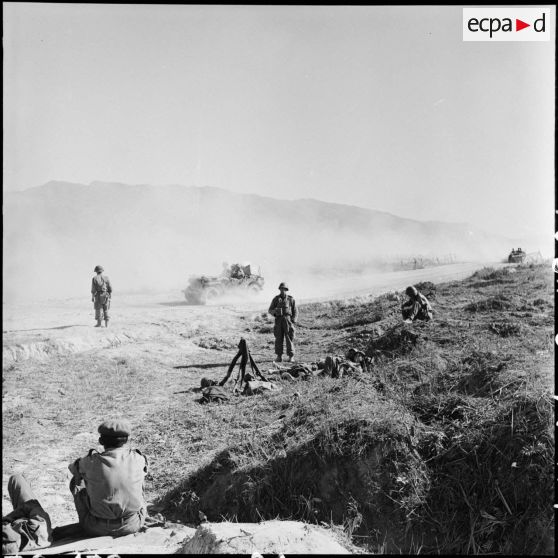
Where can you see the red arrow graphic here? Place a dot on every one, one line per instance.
(519, 25)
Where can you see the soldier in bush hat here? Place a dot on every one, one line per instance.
(283, 308)
(28, 526)
(416, 307)
(108, 487)
(101, 293)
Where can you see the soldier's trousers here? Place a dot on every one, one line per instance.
(31, 527)
(102, 305)
(98, 526)
(414, 311)
(284, 329)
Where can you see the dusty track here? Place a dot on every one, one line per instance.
(58, 326)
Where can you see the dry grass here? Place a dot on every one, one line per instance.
(445, 447)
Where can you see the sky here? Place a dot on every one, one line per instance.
(385, 108)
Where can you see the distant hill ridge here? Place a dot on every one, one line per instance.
(158, 234)
(199, 194)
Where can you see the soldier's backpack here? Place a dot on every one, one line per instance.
(214, 394)
(256, 387)
(206, 382)
(301, 371)
(337, 366)
(101, 290)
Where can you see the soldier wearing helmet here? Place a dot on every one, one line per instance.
(283, 309)
(101, 292)
(416, 307)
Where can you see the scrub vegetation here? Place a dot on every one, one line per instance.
(444, 446)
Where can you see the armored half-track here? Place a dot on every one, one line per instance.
(237, 279)
(517, 256)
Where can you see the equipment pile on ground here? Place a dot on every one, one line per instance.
(245, 383)
(335, 366)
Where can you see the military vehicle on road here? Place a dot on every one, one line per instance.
(517, 256)
(236, 279)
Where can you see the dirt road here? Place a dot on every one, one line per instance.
(67, 323)
(360, 285)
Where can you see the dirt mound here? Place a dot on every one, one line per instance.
(42, 347)
(155, 540)
(216, 343)
(397, 340)
(492, 275)
(360, 473)
(497, 302)
(427, 288)
(269, 537)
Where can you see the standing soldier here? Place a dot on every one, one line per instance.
(283, 308)
(101, 292)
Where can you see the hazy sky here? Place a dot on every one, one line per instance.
(380, 107)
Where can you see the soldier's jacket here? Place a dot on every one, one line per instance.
(338, 366)
(256, 387)
(113, 480)
(417, 308)
(283, 306)
(100, 284)
(214, 393)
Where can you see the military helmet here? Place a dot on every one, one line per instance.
(283, 286)
(99, 269)
(411, 291)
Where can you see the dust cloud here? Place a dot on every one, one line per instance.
(152, 239)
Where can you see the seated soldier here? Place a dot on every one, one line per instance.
(416, 307)
(237, 272)
(28, 526)
(108, 487)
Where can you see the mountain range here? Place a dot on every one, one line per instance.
(154, 237)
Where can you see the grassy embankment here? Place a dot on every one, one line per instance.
(446, 446)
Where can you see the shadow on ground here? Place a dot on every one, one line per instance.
(45, 328)
(202, 366)
(178, 303)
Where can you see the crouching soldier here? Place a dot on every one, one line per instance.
(108, 487)
(28, 526)
(283, 308)
(416, 307)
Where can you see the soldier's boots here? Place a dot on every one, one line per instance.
(106, 323)
(279, 358)
(98, 324)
